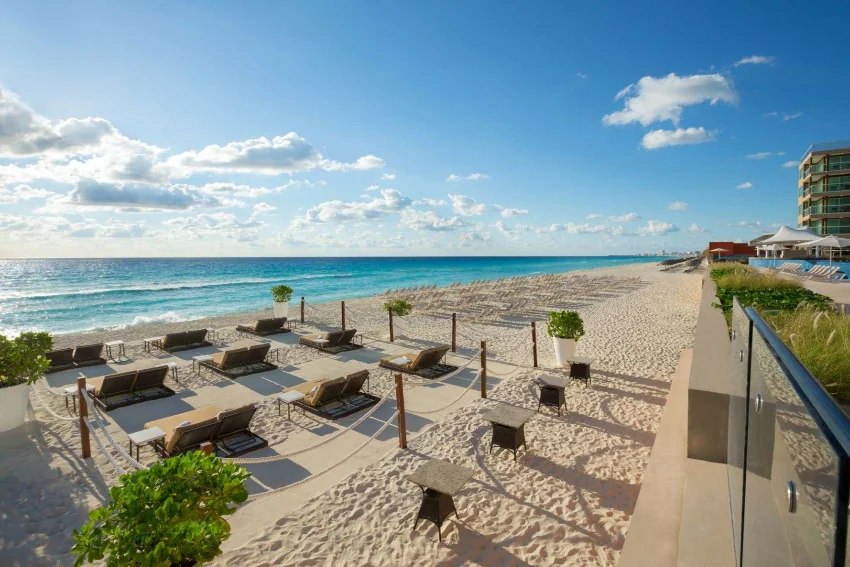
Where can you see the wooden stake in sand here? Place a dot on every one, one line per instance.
(483, 369)
(392, 338)
(302, 309)
(454, 332)
(207, 448)
(343, 315)
(402, 425)
(84, 412)
(534, 342)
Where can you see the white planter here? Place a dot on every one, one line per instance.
(13, 406)
(564, 349)
(281, 309)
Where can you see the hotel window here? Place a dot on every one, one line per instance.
(839, 163)
(838, 226)
(841, 183)
(838, 205)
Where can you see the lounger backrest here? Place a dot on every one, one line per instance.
(60, 357)
(354, 383)
(279, 322)
(174, 340)
(333, 338)
(196, 337)
(257, 353)
(87, 352)
(328, 391)
(120, 383)
(264, 325)
(236, 420)
(192, 435)
(346, 337)
(416, 363)
(431, 356)
(234, 357)
(151, 378)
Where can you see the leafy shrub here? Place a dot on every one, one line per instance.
(399, 307)
(821, 340)
(282, 293)
(22, 359)
(725, 268)
(565, 325)
(170, 514)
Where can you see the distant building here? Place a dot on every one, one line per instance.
(730, 249)
(823, 189)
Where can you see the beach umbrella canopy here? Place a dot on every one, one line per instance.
(826, 242)
(719, 250)
(788, 235)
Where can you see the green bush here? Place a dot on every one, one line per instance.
(170, 514)
(282, 293)
(821, 340)
(22, 359)
(565, 325)
(399, 307)
(765, 291)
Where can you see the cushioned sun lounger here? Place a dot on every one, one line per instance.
(334, 342)
(227, 429)
(127, 388)
(241, 361)
(265, 327)
(335, 398)
(184, 340)
(79, 357)
(426, 363)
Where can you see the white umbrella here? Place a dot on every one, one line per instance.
(718, 250)
(788, 235)
(830, 242)
(772, 248)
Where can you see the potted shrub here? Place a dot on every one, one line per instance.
(170, 514)
(281, 295)
(400, 308)
(22, 362)
(565, 328)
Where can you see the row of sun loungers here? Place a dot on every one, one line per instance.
(336, 398)
(186, 340)
(427, 363)
(818, 272)
(333, 342)
(227, 429)
(236, 362)
(265, 327)
(127, 388)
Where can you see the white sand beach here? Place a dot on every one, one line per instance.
(567, 500)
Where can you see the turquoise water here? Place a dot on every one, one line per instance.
(62, 296)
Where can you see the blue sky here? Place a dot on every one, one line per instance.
(343, 128)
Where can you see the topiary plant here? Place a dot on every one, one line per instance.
(282, 293)
(565, 325)
(170, 514)
(22, 359)
(399, 307)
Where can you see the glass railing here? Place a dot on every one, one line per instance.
(833, 187)
(818, 188)
(788, 457)
(836, 230)
(841, 166)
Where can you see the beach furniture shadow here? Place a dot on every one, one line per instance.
(276, 474)
(133, 418)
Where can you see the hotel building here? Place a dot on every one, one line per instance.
(823, 189)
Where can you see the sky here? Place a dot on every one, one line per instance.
(398, 128)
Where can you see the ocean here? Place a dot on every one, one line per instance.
(72, 295)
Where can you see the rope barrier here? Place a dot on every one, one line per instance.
(465, 390)
(331, 467)
(283, 456)
(453, 373)
(118, 468)
(96, 413)
(49, 410)
(518, 366)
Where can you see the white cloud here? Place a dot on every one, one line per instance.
(471, 238)
(263, 209)
(592, 216)
(745, 185)
(625, 218)
(657, 228)
(760, 155)
(657, 139)
(573, 228)
(513, 212)
(791, 163)
(660, 99)
(678, 206)
(517, 230)
(581, 75)
(755, 60)
(466, 206)
(223, 225)
(90, 193)
(426, 202)
(373, 187)
(365, 162)
(23, 193)
(470, 177)
(52, 227)
(235, 189)
(430, 221)
(695, 228)
(390, 201)
(388, 176)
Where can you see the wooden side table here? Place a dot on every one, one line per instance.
(145, 437)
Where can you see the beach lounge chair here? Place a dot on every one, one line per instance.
(78, 357)
(184, 340)
(198, 426)
(426, 363)
(242, 361)
(234, 436)
(333, 342)
(265, 327)
(127, 388)
(336, 398)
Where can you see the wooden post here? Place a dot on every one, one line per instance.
(84, 412)
(534, 342)
(454, 332)
(207, 448)
(483, 369)
(402, 425)
(392, 338)
(302, 309)
(343, 315)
